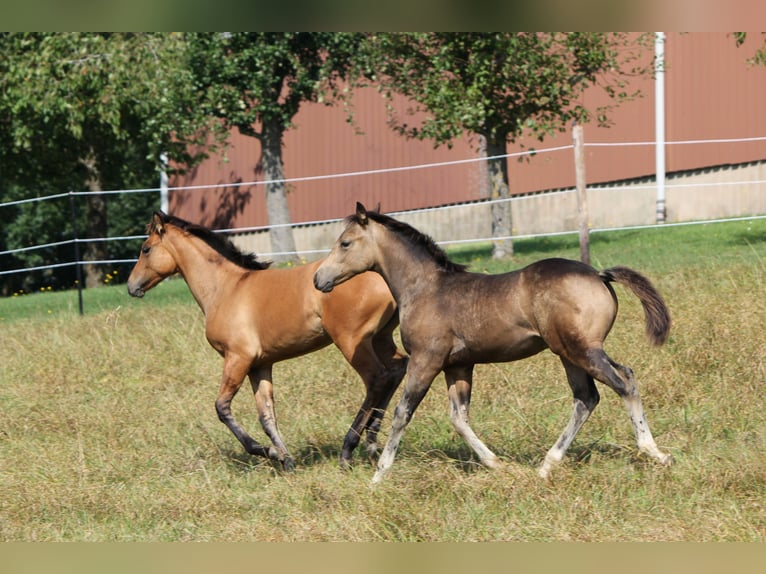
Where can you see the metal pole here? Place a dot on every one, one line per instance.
(78, 269)
(164, 201)
(659, 121)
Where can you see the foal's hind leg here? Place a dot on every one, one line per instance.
(644, 438)
(260, 379)
(585, 400)
(622, 381)
(379, 386)
(459, 392)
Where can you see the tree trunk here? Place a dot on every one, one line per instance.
(497, 171)
(277, 210)
(96, 226)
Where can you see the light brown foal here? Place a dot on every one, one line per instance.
(256, 316)
(452, 319)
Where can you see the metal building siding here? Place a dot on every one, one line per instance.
(226, 205)
(711, 93)
(632, 121)
(323, 143)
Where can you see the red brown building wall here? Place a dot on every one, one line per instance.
(711, 93)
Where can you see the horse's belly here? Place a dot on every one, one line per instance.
(469, 352)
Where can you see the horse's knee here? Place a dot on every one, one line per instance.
(590, 400)
(400, 366)
(223, 410)
(402, 416)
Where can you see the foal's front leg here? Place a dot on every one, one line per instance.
(459, 382)
(234, 370)
(419, 379)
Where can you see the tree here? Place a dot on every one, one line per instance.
(256, 82)
(499, 87)
(759, 57)
(93, 111)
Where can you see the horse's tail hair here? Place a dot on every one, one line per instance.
(656, 312)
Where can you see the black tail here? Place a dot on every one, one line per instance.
(656, 312)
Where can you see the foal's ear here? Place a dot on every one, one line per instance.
(158, 223)
(361, 213)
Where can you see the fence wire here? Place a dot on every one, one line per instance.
(372, 172)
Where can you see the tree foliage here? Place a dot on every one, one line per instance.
(759, 57)
(85, 111)
(92, 90)
(256, 82)
(501, 87)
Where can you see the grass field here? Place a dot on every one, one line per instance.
(108, 431)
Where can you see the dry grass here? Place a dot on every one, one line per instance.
(108, 432)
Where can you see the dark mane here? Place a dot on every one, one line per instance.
(218, 242)
(415, 237)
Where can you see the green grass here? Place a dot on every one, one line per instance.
(50, 304)
(108, 429)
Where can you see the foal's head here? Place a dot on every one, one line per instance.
(359, 248)
(157, 260)
(354, 252)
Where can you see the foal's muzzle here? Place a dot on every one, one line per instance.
(323, 285)
(134, 291)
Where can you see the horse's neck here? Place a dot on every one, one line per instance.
(202, 268)
(408, 274)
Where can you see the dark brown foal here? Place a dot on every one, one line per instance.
(452, 319)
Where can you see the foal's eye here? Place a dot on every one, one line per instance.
(146, 249)
(345, 244)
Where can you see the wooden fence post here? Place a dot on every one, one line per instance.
(582, 197)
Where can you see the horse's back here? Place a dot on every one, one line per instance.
(556, 268)
(564, 281)
(543, 282)
(510, 316)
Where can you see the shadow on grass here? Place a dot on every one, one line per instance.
(243, 462)
(306, 457)
(750, 237)
(521, 247)
(318, 454)
(461, 456)
(582, 454)
(465, 460)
